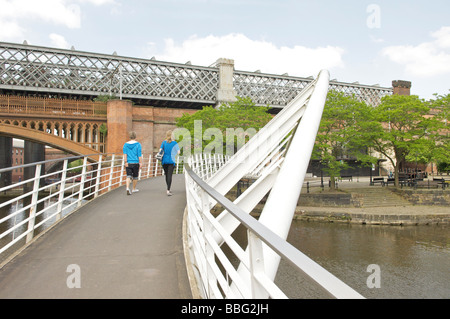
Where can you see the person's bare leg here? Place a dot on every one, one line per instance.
(128, 186)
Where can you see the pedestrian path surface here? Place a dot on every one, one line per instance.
(116, 246)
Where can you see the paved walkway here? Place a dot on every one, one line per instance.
(121, 252)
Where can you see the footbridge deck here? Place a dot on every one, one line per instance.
(120, 247)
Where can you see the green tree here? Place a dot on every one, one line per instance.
(105, 98)
(441, 151)
(230, 125)
(103, 128)
(338, 136)
(400, 128)
(75, 166)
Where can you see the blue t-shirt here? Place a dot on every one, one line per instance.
(133, 150)
(170, 151)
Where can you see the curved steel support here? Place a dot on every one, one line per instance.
(278, 157)
(282, 201)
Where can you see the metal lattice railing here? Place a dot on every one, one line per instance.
(266, 89)
(279, 90)
(11, 104)
(32, 68)
(369, 94)
(73, 72)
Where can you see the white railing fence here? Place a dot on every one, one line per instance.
(276, 158)
(215, 255)
(34, 204)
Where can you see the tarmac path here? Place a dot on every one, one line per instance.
(116, 246)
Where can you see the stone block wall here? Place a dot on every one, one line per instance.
(331, 199)
(438, 197)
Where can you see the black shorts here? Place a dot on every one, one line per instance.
(133, 171)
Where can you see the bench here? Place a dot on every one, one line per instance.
(441, 182)
(401, 181)
(349, 177)
(377, 180)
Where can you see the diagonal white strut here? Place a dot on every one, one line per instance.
(263, 143)
(269, 140)
(283, 198)
(277, 157)
(261, 155)
(280, 206)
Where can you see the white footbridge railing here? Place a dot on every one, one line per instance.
(276, 158)
(32, 205)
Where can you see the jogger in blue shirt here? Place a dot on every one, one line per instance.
(132, 152)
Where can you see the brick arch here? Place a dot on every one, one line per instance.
(54, 141)
(85, 133)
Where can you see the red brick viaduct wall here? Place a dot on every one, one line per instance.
(149, 123)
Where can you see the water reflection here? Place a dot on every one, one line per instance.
(414, 261)
(11, 222)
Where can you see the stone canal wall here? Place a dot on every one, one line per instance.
(400, 216)
(439, 197)
(377, 206)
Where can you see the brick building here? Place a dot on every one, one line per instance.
(17, 160)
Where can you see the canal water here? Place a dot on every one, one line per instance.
(410, 261)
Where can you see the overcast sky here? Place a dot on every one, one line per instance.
(372, 42)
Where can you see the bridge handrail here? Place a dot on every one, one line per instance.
(71, 158)
(204, 249)
(56, 107)
(45, 198)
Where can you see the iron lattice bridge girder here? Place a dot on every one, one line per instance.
(279, 90)
(49, 70)
(31, 68)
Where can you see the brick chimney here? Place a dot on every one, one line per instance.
(401, 87)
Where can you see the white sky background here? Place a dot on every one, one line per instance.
(372, 42)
